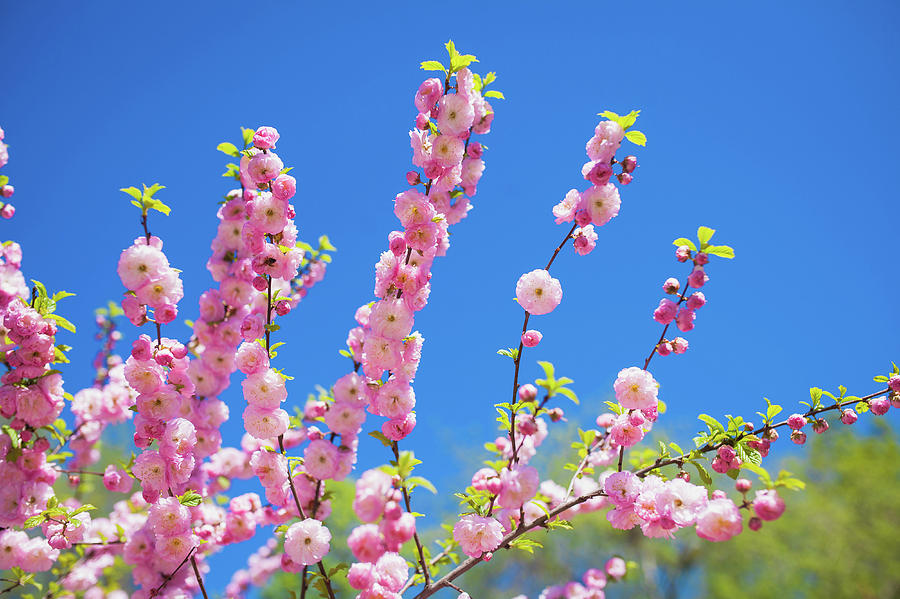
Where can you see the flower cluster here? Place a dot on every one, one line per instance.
(378, 503)
(7, 210)
(592, 584)
(683, 310)
(151, 282)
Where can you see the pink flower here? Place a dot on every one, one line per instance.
(391, 319)
(263, 423)
(455, 114)
(796, 421)
(477, 534)
(320, 459)
(848, 416)
(398, 428)
(531, 338)
(265, 389)
(565, 210)
(636, 388)
(696, 300)
(366, 543)
(168, 517)
(265, 138)
(518, 486)
(685, 319)
(264, 167)
(697, 278)
(720, 521)
(391, 571)
(615, 568)
(585, 240)
(284, 187)
(428, 94)
(665, 312)
(537, 292)
(116, 480)
(394, 399)
(879, 406)
(602, 203)
(447, 150)
(361, 576)
(768, 505)
(622, 488)
(307, 542)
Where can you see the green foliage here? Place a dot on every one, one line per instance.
(704, 234)
(144, 199)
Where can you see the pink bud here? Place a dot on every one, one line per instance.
(606, 420)
(422, 121)
(820, 426)
(494, 486)
(527, 426)
(701, 258)
(392, 510)
(719, 494)
(556, 414)
(679, 345)
(879, 406)
(599, 174)
(283, 187)
(531, 338)
(796, 421)
(527, 392)
(629, 163)
(685, 476)
(671, 286)
(265, 138)
(624, 178)
(41, 445)
(683, 253)
(7, 190)
(664, 348)
(894, 383)
(8, 211)
(412, 177)
(282, 308)
(743, 485)
(260, 283)
(474, 150)
(697, 278)
(165, 313)
(487, 556)
(755, 523)
(798, 437)
(848, 416)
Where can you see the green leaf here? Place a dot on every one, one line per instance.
(685, 241)
(62, 295)
(247, 135)
(3, 180)
(494, 94)
(61, 322)
(229, 148)
(149, 191)
(704, 234)
(190, 499)
(636, 137)
(549, 370)
(325, 244)
(134, 192)
(525, 544)
(420, 481)
(432, 65)
(510, 352)
(703, 472)
(723, 251)
(568, 393)
(380, 436)
(85, 508)
(714, 425)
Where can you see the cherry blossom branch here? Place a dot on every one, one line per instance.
(714, 446)
(512, 427)
(422, 562)
(539, 522)
(666, 328)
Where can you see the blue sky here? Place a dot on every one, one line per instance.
(773, 122)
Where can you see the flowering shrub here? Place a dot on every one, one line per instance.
(173, 513)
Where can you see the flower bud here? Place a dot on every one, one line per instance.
(848, 416)
(879, 406)
(798, 437)
(527, 392)
(683, 253)
(624, 178)
(671, 286)
(629, 163)
(743, 485)
(412, 177)
(755, 523)
(282, 308)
